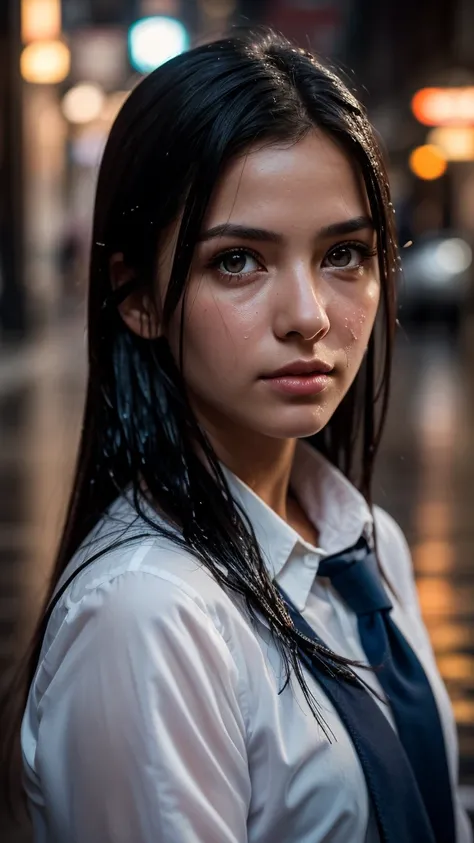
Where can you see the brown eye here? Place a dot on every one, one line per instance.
(237, 262)
(234, 262)
(341, 258)
(347, 256)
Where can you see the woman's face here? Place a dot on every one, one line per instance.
(284, 275)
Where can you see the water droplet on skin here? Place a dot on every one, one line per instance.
(246, 336)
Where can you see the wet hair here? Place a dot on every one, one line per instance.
(169, 145)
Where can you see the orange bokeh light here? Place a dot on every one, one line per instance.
(45, 62)
(40, 20)
(444, 106)
(427, 162)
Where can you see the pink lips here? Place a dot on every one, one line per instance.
(302, 377)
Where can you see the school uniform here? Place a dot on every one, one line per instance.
(157, 711)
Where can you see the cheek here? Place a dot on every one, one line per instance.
(219, 335)
(358, 316)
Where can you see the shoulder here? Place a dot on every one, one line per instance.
(389, 532)
(125, 546)
(395, 556)
(128, 585)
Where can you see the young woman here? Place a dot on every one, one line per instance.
(223, 657)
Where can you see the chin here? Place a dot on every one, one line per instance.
(296, 423)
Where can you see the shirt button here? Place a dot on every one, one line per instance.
(311, 560)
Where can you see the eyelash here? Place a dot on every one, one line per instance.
(365, 251)
(244, 250)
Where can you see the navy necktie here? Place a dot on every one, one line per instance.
(398, 808)
(354, 574)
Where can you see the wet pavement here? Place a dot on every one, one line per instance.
(425, 479)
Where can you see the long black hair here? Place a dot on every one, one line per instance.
(165, 154)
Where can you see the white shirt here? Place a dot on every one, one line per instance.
(155, 714)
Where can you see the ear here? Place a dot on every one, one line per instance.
(138, 311)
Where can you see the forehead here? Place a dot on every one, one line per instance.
(309, 183)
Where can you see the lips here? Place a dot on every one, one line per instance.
(302, 368)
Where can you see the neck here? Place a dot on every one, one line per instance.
(262, 463)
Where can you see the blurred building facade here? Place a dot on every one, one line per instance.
(52, 134)
(12, 298)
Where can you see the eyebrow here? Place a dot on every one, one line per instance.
(263, 235)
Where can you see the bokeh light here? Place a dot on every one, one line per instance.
(45, 62)
(83, 103)
(40, 19)
(444, 106)
(153, 41)
(454, 255)
(456, 142)
(428, 162)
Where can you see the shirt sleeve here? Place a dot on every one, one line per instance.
(141, 734)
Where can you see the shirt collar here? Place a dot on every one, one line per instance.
(335, 507)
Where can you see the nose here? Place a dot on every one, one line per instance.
(301, 307)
